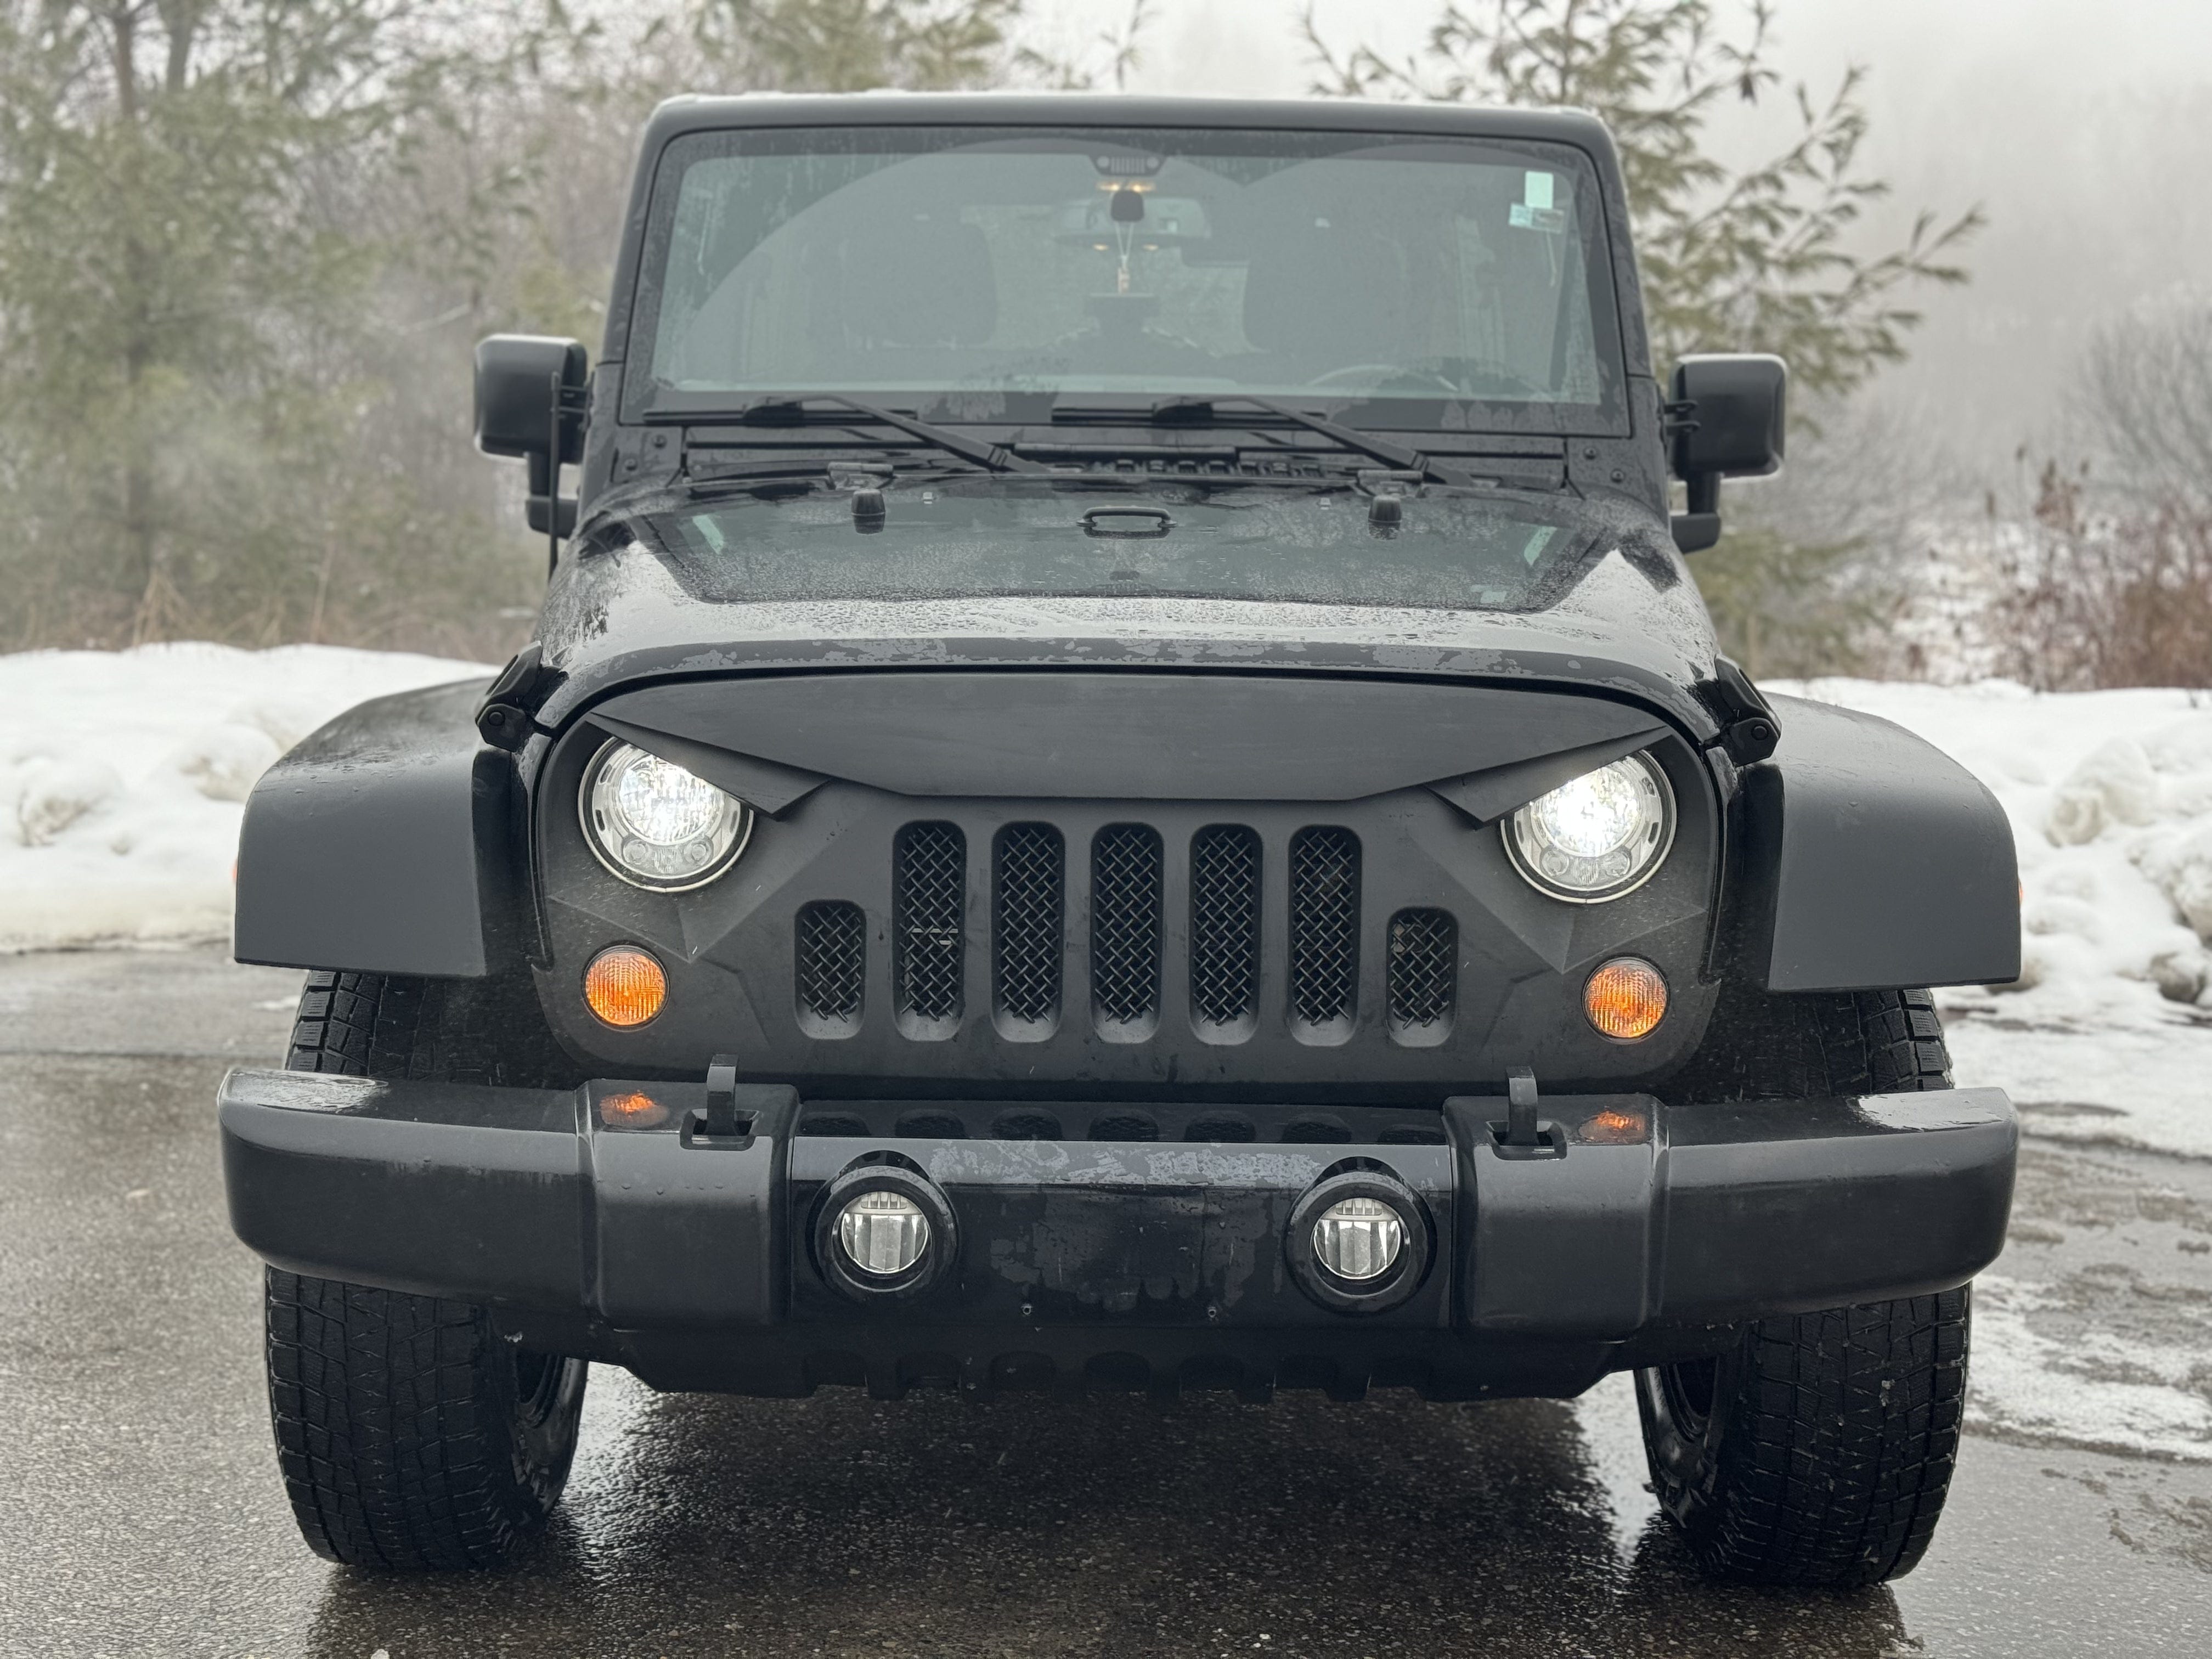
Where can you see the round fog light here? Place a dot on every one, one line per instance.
(882, 1234)
(1359, 1238)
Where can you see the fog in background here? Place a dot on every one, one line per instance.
(2083, 129)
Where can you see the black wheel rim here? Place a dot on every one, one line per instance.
(538, 1379)
(1687, 1388)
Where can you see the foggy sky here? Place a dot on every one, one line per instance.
(2082, 127)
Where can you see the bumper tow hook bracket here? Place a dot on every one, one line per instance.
(721, 1125)
(1521, 1136)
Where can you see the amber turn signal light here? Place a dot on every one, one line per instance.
(1626, 999)
(625, 986)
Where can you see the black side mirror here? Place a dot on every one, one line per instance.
(1726, 419)
(530, 403)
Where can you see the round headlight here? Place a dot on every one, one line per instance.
(1597, 836)
(656, 825)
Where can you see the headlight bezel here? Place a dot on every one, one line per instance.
(593, 792)
(1523, 841)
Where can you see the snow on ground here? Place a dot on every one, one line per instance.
(122, 775)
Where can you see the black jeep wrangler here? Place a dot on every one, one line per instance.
(1121, 785)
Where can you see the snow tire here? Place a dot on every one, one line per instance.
(410, 1434)
(1818, 1449)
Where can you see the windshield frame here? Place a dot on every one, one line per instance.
(642, 401)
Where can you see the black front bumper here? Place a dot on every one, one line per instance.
(1636, 1232)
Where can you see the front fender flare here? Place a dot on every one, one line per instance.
(1869, 859)
(388, 842)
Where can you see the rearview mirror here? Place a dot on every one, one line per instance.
(1727, 416)
(529, 403)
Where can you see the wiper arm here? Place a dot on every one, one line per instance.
(1365, 443)
(995, 457)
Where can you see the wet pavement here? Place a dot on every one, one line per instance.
(140, 1512)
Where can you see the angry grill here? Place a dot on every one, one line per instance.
(1119, 915)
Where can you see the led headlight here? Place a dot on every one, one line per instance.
(1597, 836)
(656, 825)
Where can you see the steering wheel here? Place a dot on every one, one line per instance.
(1500, 377)
(1386, 371)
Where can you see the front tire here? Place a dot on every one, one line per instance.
(410, 1434)
(1817, 1449)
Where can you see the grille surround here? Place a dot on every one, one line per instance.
(1424, 976)
(1127, 921)
(1324, 966)
(929, 935)
(1028, 930)
(1226, 866)
(830, 973)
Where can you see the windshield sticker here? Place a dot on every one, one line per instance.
(1539, 539)
(1536, 209)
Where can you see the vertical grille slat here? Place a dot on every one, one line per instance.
(1225, 925)
(1424, 971)
(833, 961)
(1029, 921)
(1324, 927)
(929, 901)
(1124, 924)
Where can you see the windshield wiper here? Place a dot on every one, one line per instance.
(995, 457)
(1170, 411)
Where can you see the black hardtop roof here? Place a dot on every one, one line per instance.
(696, 114)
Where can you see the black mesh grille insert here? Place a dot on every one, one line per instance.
(1027, 924)
(1125, 922)
(1424, 968)
(1324, 925)
(1224, 923)
(929, 891)
(833, 960)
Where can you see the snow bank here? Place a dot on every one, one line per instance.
(122, 775)
(2107, 1038)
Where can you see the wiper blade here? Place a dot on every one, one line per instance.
(995, 457)
(1170, 410)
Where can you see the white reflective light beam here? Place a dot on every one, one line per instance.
(1359, 1238)
(663, 803)
(1595, 814)
(882, 1234)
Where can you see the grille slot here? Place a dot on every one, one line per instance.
(929, 900)
(1125, 928)
(1424, 975)
(833, 966)
(1325, 930)
(1224, 926)
(1029, 926)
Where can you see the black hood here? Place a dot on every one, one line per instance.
(1260, 582)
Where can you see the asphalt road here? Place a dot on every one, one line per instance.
(140, 1513)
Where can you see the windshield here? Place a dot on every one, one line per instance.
(976, 536)
(950, 268)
